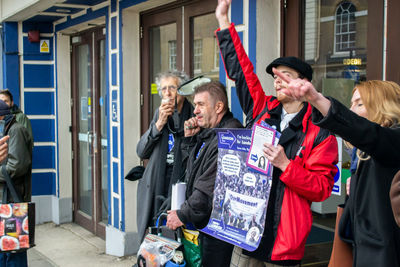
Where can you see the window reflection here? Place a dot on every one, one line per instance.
(335, 45)
(205, 55)
(345, 27)
(197, 55)
(163, 56)
(216, 54)
(172, 54)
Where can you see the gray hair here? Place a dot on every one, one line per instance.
(180, 75)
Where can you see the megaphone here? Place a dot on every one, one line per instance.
(187, 88)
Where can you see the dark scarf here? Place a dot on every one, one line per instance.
(9, 120)
(178, 170)
(162, 202)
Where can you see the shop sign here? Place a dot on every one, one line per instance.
(352, 61)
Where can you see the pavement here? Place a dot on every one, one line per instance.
(71, 245)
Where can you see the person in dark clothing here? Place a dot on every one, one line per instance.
(211, 111)
(373, 128)
(161, 145)
(304, 161)
(20, 117)
(18, 165)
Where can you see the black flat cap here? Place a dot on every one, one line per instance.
(292, 62)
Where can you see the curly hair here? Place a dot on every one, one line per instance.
(181, 76)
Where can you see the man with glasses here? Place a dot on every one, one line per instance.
(161, 145)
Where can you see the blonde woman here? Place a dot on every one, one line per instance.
(373, 128)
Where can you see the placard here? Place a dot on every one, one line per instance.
(240, 194)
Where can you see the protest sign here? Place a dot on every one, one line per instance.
(255, 157)
(240, 193)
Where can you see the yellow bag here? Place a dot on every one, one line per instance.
(191, 247)
(191, 235)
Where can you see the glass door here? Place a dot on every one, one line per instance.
(161, 51)
(89, 131)
(176, 37)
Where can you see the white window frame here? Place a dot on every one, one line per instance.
(172, 54)
(352, 19)
(216, 55)
(197, 55)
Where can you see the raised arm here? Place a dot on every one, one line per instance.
(238, 65)
(381, 143)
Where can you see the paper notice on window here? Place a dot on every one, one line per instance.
(256, 158)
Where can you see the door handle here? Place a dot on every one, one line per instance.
(95, 143)
(89, 137)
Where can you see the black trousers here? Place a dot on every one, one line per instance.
(216, 253)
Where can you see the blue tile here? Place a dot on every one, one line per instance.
(10, 35)
(43, 130)
(113, 5)
(116, 213)
(39, 103)
(43, 184)
(115, 141)
(253, 33)
(113, 32)
(43, 157)
(38, 76)
(115, 177)
(114, 69)
(235, 104)
(237, 12)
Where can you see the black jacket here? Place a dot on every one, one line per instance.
(153, 145)
(312, 151)
(200, 174)
(367, 221)
(19, 160)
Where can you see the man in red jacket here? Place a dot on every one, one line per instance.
(304, 160)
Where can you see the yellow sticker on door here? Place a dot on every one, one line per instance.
(154, 90)
(44, 46)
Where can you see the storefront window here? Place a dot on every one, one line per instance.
(345, 27)
(335, 44)
(204, 52)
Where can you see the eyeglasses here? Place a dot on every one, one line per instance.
(169, 87)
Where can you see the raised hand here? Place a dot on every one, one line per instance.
(164, 111)
(299, 89)
(303, 90)
(191, 127)
(221, 13)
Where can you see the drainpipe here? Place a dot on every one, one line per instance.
(384, 39)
